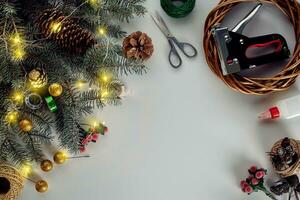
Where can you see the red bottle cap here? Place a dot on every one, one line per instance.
(275, 113)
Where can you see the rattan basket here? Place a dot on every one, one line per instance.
(295, 168)
(15, 179)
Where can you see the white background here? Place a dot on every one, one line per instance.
(182, 134)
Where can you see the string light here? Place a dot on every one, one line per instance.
(18, 97)
(104, 93)
(17, 46)
(101, 31)
(18, 54)
(55, 27)
(26, 169)
(94, 3)
(80, 83)
(16, 40)
(12, 117)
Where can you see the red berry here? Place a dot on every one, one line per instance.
(82, 149)
(248, 189)
(254, 181)
(244, 184)
(260, 174)
(105, 129)
(95, 137)
(85, 141)
(253, 169)
(89, 138)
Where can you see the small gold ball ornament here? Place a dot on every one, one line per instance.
(41, 186)
(26, 125)
(46, 165)
(59, 157)
(55, 89)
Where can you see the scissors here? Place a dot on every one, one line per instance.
(186, 48)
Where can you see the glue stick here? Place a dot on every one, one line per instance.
(284, 109)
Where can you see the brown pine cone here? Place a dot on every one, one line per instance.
(138, 45)
(64, 31)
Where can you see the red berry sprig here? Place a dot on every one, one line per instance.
(255, 182)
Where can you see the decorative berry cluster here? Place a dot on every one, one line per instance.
(92, 136)
(256, 178)
(255, 182)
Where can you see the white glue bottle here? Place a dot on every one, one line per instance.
(284, 109)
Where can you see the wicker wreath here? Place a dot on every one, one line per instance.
(11, 182)
(256, 86)
(295, 168)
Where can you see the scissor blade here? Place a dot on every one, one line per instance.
(160, 25)
(162, 21)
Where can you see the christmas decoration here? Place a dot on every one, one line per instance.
(284, 156)
(26, 125)
(61, 157)
(44, 53)
(46, 165)
(138, 45)
(38, 78)
(92, 135)
(41, 186)
(33, 101)
(11, 182)
(55, 89)
(64, 31)
(255, 182)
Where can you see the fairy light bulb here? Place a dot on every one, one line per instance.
(79, 84)
(104, 94)
(26, 169)
(55, 27)
(18, 97)
(16, 39)
(12, 117)
(94, 3)
(18, 54)
(102, 31)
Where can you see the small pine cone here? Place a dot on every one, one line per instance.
(67, 34)
(138, 45)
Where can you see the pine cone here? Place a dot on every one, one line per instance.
(138, 45)
(67, 34)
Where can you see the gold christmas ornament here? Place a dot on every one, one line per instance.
(59, 157)
(46, 165)
(38, 78)
(26, 125)
(55, 89)
(11, 182)
(41, 186)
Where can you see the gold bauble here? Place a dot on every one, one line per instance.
(55, 89)
(41, 186)
(26, 125)
(59, 157)
(46, 165)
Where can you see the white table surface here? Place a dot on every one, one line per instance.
(182, 134)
